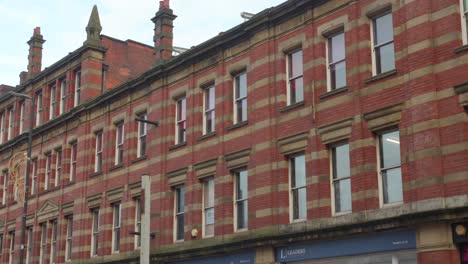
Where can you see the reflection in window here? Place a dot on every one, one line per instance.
(390, 167)
(337, 61)
(295, 77)
(298, 198)
(341, 179)
(383, 43)
(241, 198)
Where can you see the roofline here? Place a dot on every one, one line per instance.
(127, 41)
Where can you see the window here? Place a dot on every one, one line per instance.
(116, 227)
(209, 108)
(181, 124)
(179, 212)
(4, 186)
(73, 157)
(68, 242)
(98, 154)
(119, 143)
(38, 108)
(34, 176)
(241, 200)
(53, 95)
(1, 245)
(43, 243)
(240, 98)
(295, 86)
(22, 116)
(77, 88)
(142, 130)
(95, 232)
(464, 20)
(53, 242)
(208, 207)
(390, 167)
(63, 95)
(341, 178)
(10, 123)
(298, 199)
(336, 61)
(384, 53)
(2, 127)
(12, 247)
(138, 222)
(58, 167)
(29, 233)
(48, 171)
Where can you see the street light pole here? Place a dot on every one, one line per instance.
(26, 180)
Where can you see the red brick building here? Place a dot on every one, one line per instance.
(316, 132)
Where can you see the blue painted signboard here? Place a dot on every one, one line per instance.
(245, 257)
(378, 242)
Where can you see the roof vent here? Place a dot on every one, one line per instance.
(246, 16)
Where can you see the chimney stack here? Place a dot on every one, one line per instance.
(35, 52)
(163, 28)
(23, 77)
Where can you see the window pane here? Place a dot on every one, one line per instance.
(209, 216)
(337, 48)
(386, 58)
(384, 29)
(343, 195)
(242, 189)
(296, 64)
(392, 185)
(299, 176)
(390, 144)
(180, 227)
(299, 203)
(297, 90)
(465, 3)
(242, 214)
(181, 199)
(341, 159)
(338, 75)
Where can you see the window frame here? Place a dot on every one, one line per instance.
(237, 200)
(376, 60)
(290, 79)
(2, 126)
(181, 121)
(1, 245)
(53, 101)
(43, 242)
(119, 143)
(237, 100)
(39, 108)
(138, 222)
(73, 160)
(53, 242)
(58, 167)
(291, 163)
(77, 90)
(69, 238)
(331, 86)
(464, 22)
(10, 123)
(209, 111)
(142, 135)
(116, 226)
(63, 95)
(48, 171)
(11, 246)
(205, 208)
(22, 111)
(98, 153)
(333, 180)
(30, 234)
(5, 187)
(34, 168)
(179, 198)
(94, 232)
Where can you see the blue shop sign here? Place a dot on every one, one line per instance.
(245, 257)
(378, 242)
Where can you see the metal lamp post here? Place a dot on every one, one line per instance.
(28, 168)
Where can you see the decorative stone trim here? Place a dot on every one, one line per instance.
(381, 76)
(462, 91)
(115, 195)
(205, 168)
(48, 210)
(94, 200)
(177, 177)
(135, 189)
(384, 117)
(333, 92)
(336, 131)
(293, 144)
(378, 10)
(67, 208)
(237, 159)
(29, 220)
(333, 30)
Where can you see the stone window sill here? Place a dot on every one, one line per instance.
(381, 76)
(209, 135)
(180, 145)
(144, 157)
(116, 167)
(238, 125)
(461, 49)
(292, 107)
(95, 174)
(49, 190)
(68, 183)
(333, 92)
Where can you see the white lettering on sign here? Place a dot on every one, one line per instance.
(292, 252)
(402, 242)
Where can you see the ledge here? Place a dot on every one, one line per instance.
(461, 49)
(381, 76)
(333, 92)
(180, 145)
(201, 138)
(292, 107)
(49, 190)
(139, 159)
(68, 183)
(96, 174)
(235, 126)
(115, 167)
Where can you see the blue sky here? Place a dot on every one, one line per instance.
(63, 25)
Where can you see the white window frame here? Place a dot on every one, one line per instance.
(464, 18)
(142, 135)
(237, 200)
(177, 191)
(53, 101)
(138, 223)
(181, 120)
(22, 116)
(292, 189)
(29, 245)
(94, 232)
(34, 176)
(209, 110)
(5, 186)
(10, 123)
(77, 97)
(48, 170)
(1, 246)
(53, 242)
(205, 209)
(98, 151)
(43, 242)
(116, 225)
(374, 46)
(119, 143)
(63, 95)
(236, 79)
(290, 78)
(329, 63)
(58, 166)
(332, 181)
(38, 108)
(11, 247)
(69, 238)
(73, 160)
(2, 127)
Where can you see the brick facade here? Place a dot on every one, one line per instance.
(424, 98)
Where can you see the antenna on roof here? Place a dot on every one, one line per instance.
(246, 15)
